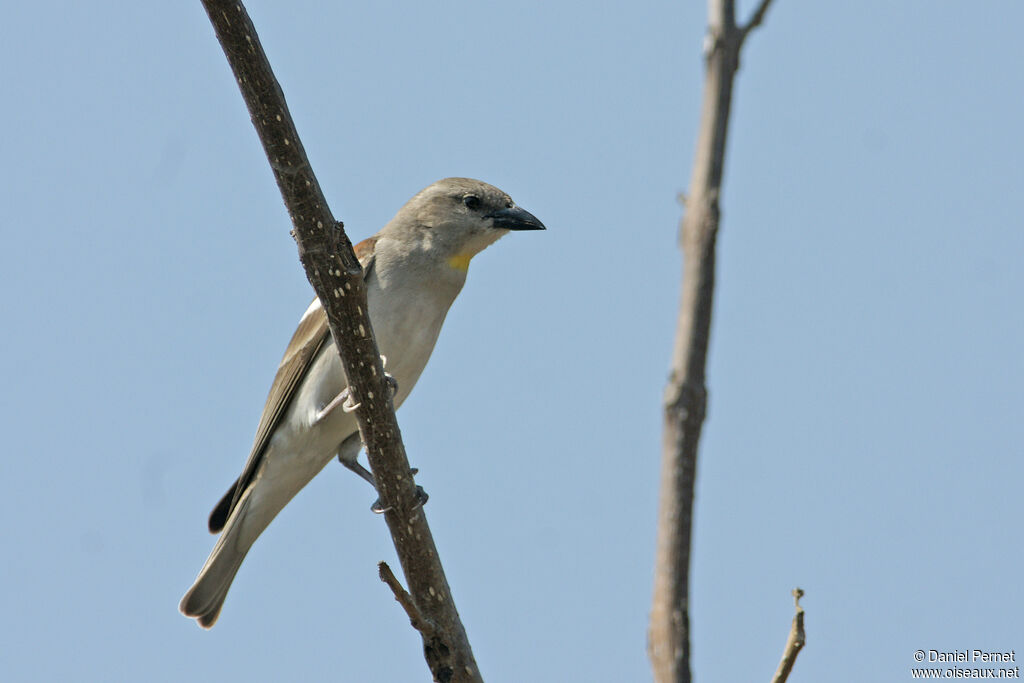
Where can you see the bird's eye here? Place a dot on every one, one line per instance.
(472, 202)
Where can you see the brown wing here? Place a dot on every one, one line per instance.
(310, 336)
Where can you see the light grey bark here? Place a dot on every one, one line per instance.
(794, 642)
(685, 399)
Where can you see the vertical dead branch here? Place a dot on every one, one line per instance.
(333, 270)
(685, 397)
(794, 642)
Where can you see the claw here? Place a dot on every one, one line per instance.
(421, 500)
(348, 406)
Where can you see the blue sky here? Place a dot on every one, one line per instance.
(865, 429)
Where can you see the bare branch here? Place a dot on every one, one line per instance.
(755, 19)
(685, 400)
(795, 641)
(333, 270)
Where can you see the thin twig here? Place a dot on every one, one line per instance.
(425, 628)
(755, 19)
(795, 641)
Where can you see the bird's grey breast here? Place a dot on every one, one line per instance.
(406, 322)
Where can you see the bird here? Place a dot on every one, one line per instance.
(413, 269)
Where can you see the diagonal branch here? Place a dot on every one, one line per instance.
(405, 600)
(755, 19)
(333, 270)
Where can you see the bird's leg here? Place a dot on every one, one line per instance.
(358, 469)
(348, 451)
(348, 455)
(344, 399)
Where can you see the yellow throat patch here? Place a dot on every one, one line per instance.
(460, 262)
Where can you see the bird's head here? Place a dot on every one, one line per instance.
(456, 218)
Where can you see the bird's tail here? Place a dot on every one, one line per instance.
(206, 596)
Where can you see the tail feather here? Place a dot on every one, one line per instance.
(280, 477)
(205, 598)
(221, 512)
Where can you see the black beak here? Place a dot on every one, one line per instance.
(514, 218)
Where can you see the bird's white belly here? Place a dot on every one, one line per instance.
(406, 338)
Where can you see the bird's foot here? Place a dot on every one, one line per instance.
(421, 500)
(349, 405)
(342, 400)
